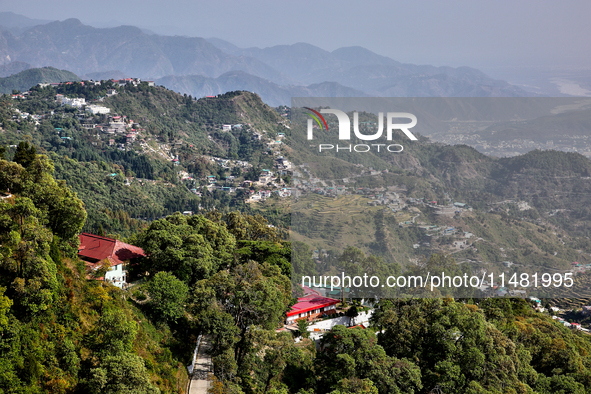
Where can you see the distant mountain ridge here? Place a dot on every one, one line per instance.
(197, 64)
(18, 23)
(377, 75)
(273, 94)
(12, 68)
(84, 49)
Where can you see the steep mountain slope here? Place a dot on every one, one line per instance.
(128, 179)
(76, 335)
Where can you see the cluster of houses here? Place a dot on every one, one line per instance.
(579, 267)
(267, 180)
(24, 115)
(574, 326)
(80, 102)
(130, 81)
(90, 82)
(21, 96)
(261, 195)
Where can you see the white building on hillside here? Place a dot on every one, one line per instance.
(74, 102)
(97, 109)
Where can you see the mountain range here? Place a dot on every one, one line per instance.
(200, 66)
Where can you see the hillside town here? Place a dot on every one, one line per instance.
(125, 134)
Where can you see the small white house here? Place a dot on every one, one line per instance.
(96, 251)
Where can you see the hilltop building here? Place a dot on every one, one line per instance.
(95, 249)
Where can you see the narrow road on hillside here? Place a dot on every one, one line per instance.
(199, 383)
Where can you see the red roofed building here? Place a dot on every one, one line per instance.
(311, 307)
(95, 249)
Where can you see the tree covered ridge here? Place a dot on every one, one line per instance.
(58, 332)
(31, 77)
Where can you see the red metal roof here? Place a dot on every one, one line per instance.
(99, 248)
(310, 303)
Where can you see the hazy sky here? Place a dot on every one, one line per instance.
(483, 34)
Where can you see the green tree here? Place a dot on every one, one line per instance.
(250, 227)
(191, 248)
(24, 253)
(302, 262)
(559, 384)
(303, 328)
(25, 154)
(453, 345)
(5, 304)
(352, 313)
(113, 334)
(124, 373)
(277, 363)
(274, 253)
(167, 296)
(250, 294)
(355, 353)
(355, 386)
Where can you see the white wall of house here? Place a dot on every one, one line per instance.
(362, 318)
(329, 323)
(97, 109)
(117, 275)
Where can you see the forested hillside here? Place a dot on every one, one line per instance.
(60, 333)
(126, 183)
(23, 80)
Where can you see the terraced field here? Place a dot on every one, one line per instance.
(334, 223)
